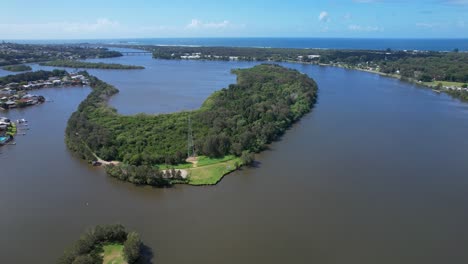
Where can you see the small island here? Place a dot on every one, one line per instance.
(106, 244)
(17, 68)
(90, 65)
(193, 147)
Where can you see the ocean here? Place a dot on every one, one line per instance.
(321, 43)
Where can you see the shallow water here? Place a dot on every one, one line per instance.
(376, 173)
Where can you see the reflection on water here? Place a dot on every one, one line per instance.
(376, 173)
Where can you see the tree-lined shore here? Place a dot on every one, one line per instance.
(238, 120)
(90, 65)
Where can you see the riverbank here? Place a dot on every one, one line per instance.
(90, 65)
(457, 90)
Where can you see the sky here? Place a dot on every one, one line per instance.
(101, 19)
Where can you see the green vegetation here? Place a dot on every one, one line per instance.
(443, 83)
(104, 244)
(17, 68)
(210, 171)
(11, 130)
(31, 76)
(242, 118)
(13, 53)
(424, 67)
(113, 254)
(420, 65)
(90, 65)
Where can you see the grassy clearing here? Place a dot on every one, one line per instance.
(178, 166)
(204, 160)
(214, 172)
(113, 254)
(206, 171)
(457, 84)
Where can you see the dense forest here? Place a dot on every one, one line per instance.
(419, 65)
(17, 68)
(89, 248)
(244, 117)
(90, 65)
(31, 76)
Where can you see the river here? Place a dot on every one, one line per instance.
(376, 173)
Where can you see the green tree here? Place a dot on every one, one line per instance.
(132, 248)
(247, 158)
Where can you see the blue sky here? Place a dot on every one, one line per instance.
(58, 19)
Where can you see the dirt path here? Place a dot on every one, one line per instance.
(183, 173)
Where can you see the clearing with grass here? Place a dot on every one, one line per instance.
(113, 254)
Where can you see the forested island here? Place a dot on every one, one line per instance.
(106, 244)
(442, 71)
(17, 68)
(231, 125)
(89, 65)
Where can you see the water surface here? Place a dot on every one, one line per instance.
(376, 173)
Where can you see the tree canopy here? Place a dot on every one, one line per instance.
(244, 117)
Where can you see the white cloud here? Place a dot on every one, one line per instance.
(107, 28)
(364, 28)
(60, 29)
(324, 16)
(197, 24)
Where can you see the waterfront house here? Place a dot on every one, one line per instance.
(10, 104)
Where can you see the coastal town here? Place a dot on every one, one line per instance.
(18, 94)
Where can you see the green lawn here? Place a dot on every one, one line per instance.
(113, 254)
(204, 160)
(206, 171)
(214, 172)
(457, 84)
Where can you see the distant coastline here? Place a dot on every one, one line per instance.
(443, 44)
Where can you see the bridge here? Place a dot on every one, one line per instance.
(136, 53)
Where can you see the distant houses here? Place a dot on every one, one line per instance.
(14, 95)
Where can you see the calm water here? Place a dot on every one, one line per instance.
(375, 174)
(323, 43)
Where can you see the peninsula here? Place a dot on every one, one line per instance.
(223, 134)
(90, 65)
(17, 68)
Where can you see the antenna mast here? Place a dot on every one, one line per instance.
(190, 146)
